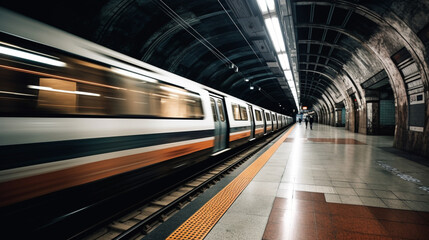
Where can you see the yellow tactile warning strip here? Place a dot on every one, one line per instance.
(200, 224)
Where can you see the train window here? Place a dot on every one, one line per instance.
(220, 108)
(236, 111)
(239, 112)
(267, 116)
(243, 111)
(83, 89)
(258, 115)
(213, 109)
(165, 101)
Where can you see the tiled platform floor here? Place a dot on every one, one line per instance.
(354, 173)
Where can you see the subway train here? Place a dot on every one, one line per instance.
(74, 113)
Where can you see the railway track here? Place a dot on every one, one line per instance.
(136, 223)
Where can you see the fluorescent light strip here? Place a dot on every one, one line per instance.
(133, 75)
(278, 33)
(63, 91)
(266, 6)
(274, 30)
(288, 74)
(263, 6)
(275, 33)
(284, 61)
(30, 56)
(271, 6)
(272, 33)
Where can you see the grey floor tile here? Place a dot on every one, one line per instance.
(238, 226)
(343, 179)
(284, 193)
(345, 191)
(341, 184)
(359, 185)
(305, 180)
(314, 188)
(285, 185)
(253, 204)
(365, 192)
(332, 198)
(376, 186)
(347, 199)
(418, 206)
(411, 196)
(262, 188)
(277, 164)
(395, 204)
(372, 202)
(385, 194)
(322, 177)
(264, 177)
(324, 183)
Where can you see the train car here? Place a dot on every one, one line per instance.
(57, 123)
(239, 121)
(75, 115)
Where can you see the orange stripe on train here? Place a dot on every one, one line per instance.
(259, 131)
(29, 187)
(236, 136)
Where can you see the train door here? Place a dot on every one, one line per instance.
(221, 127)
(264, 118)
(268, 121)
(274, 119)
(252, 123)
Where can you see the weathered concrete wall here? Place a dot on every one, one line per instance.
(402, 21)
(397, 24)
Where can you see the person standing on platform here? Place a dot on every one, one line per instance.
(300, 120)
(306, 122)
(311, 122)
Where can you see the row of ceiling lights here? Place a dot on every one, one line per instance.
(268, 10)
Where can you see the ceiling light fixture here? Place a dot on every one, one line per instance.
(268, 10)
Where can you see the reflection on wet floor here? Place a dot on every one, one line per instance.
(308, 216)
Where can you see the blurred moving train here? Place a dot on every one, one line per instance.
(73, 113)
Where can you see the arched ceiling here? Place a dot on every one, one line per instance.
(333, 45)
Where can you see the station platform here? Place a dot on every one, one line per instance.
(324, 183)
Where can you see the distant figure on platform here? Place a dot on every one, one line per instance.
(311, 122)
(306, 122)
(300, 120)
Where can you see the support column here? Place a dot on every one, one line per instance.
(372, 112)
(373, 118)
(338, 117)
(332, 114)
(339, 114)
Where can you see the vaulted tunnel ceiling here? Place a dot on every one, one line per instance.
(333, 46)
